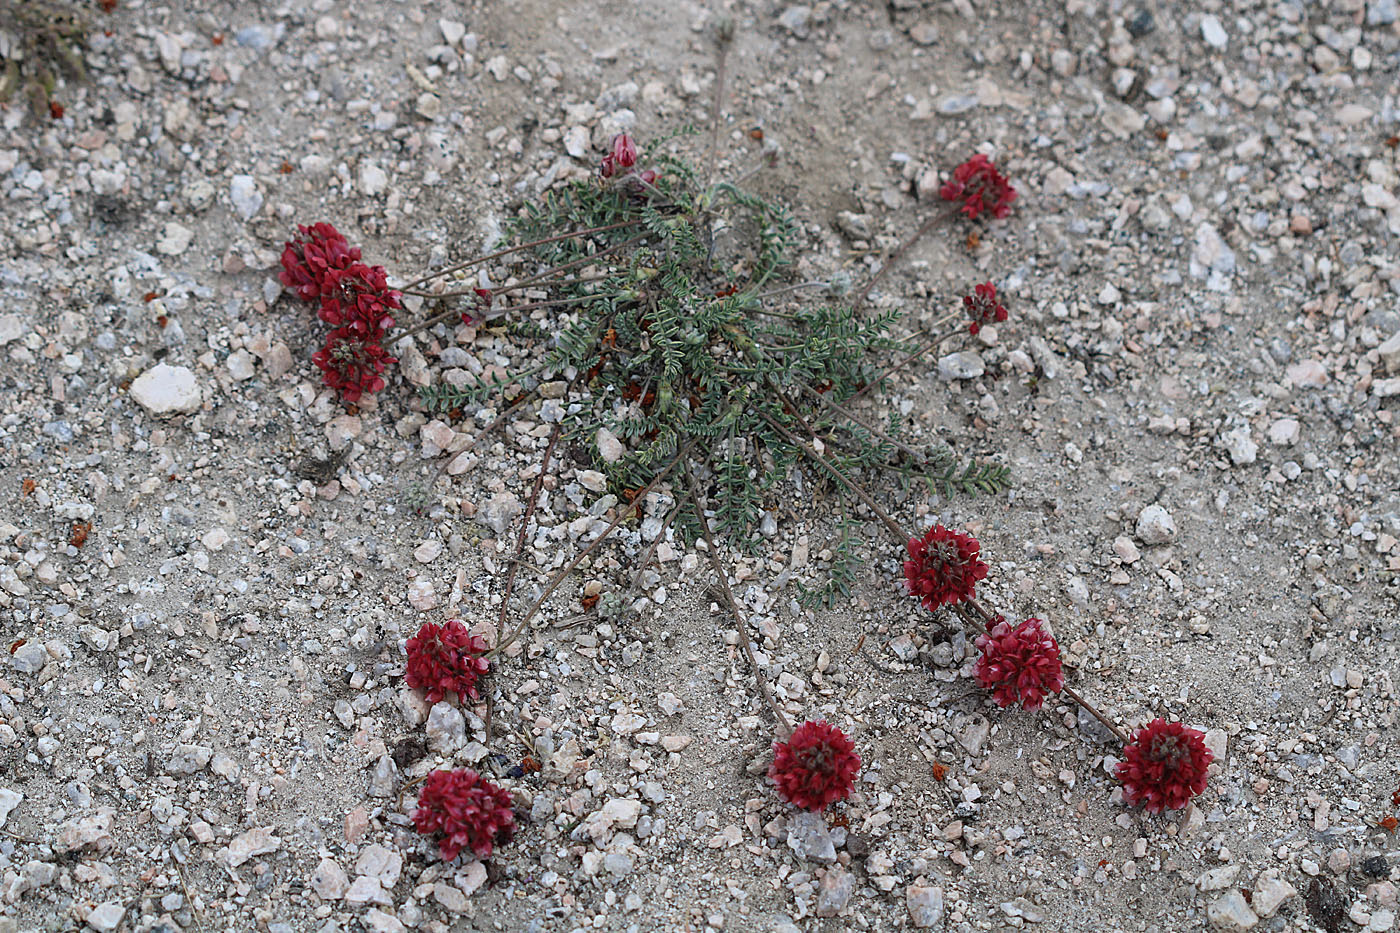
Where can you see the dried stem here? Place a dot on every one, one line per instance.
(852, 417)
(988, 619)
(622, 512)
(515, 249)
(724, 35)
(860, 494)
(451, 455)
(525, 524)
(898, 254)
(784, 726)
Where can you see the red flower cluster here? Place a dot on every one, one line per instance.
(355, 300)
(469, 811)
(943, 567)
(622, 161)
(445, 659)
(980, 187)
(816, 767)
(1020, 665)
(982, 306)
(1164, 766)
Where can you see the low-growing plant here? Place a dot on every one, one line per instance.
(40, 42)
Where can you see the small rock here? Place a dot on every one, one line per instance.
(973, 735)
(29, 658)
(925, 905)
(167, 390)
(1381, 12)
(609, 447)
(923, 33)
(1155, 526)
(797, 20)
(1218, 741)
(174, 239)
(380, 863)
(1218, 879)
(373, 180)
(11, 328)
(1213, 32)
(964, 364)
(255, 842)
(621, 812)
(1284, 432)
(452, 31)
(446, 728)
(247, 199)
(501, 509)
(9, 799)
(1238, 444)
(189, 759)
(1270, 891)
(107, 916)
(1308, 374)
(329, 880)
(1389, 350)
(240, 365)
(1126, 550)
(835, 890)
(810, 838)
(1231, 911)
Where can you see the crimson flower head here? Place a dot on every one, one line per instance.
(1019, 665)
(351, 363)
(445, 659)
(815, 767)
(306, 261)
(622, 157)
(943, 567)
(469, 811)
(980, 187)
(358, 297)
(1164, 766)
(982, 306)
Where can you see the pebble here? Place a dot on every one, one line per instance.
(189, 759)
(174, 239)
(835, 890)
(249, 845)
(329, 880)
(1213, 32)
(107, 916)
(796, 20)
(1155, 526)
(29, 658)
(1270, 892)
(446, 728)
(1285, 432)
(11, 328)
(9, 799)
(500, 510)
(373, 179)
(247, 199)
(1238, 444)
(609, 447)
(1126, 550)
(452, 30)
(1217, 879)
(1231, 911)
(810, 838)
(925, 906)
(167, 390)
(964, 364)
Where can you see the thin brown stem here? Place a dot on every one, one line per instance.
(898, 254)
(784, 726)
(581, 261)
(860, 494)
(495, 314)
(525, 525)
(635, 504)
(723, 36)
(890, 371)
(988, 619)
(496, 423)
(515, 249)
(851, 416)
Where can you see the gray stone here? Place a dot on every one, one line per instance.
(1213, 32)
(609, 447)
(925, 905)
(1381, 12)
(1239, 445)
(1231, 911)
(329, 880)
(167, 390)
(187, 759)
(1389, 351)
(446, 728)
(964, 364)
(9, 799)
(107, 916)
(380, 863)
(836, 888)
(1270, 892)
(1155, 526)
(500, 510)
(1218, 879)
(797, 20)
(973, 735)
(809, 838)
(11, 328)
(618, 864)
(381, 783)
(29, 658)
(247, 199)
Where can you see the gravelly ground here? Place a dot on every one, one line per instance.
(203, 703)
